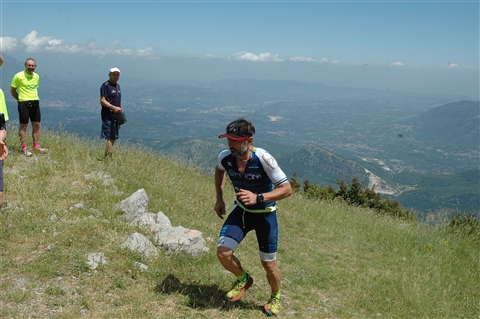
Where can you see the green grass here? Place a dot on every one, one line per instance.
(337, 261)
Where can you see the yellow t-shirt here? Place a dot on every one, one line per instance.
(26, 85)
(3, 105)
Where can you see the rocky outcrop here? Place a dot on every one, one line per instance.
(165, 237)
(172, 239)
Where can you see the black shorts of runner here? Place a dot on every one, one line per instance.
(240, 222)
(29, 110)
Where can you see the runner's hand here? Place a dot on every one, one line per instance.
(247, 197)
(3, 151)
(220, 208)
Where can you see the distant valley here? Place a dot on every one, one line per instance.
(407, 144)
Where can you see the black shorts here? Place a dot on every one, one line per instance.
(29, 110)
(240, 222)
(110, 128)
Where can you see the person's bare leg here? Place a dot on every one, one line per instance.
(274, 275)
(109, 147)
(232, 264)
(35, 132)
(22, 133)
(229, 261)
(274, 278)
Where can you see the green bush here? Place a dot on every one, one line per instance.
(466, 225)
(315, 191)
(355, 194)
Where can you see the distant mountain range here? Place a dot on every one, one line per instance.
(455, 124)
(310, 162)
(410, 143)
(321, 166)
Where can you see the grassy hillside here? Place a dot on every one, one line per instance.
(337, 261)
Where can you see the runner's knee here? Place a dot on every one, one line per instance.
(224, 252)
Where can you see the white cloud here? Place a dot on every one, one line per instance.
(264, 57)
(34, 43)
(397, 64)
(302, 59)
(148, 52)
(7, 43)
(453, 65)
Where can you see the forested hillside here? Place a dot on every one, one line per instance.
(322, 167)
(455, 125)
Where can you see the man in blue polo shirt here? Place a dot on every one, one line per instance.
(258, 182)
(111, 101)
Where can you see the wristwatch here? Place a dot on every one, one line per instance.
(259, 198)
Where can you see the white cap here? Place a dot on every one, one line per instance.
(114, 70)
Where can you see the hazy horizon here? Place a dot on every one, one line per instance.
(412, 46)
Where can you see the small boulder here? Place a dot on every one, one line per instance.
(140, 243)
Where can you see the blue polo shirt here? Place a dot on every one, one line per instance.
(112, 94)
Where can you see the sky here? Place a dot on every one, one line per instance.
(416, 46)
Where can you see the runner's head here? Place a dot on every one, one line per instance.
(239, 130)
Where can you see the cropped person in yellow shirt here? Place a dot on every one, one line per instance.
(3, 136)
(24, 89)
(3, 111)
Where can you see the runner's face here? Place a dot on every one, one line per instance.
(238, 148)
(30, 66)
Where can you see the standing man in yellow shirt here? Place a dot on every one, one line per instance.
(24, 89)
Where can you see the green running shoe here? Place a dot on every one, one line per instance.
(273, 306)
(239, 289)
